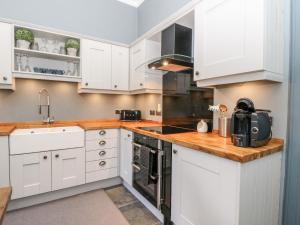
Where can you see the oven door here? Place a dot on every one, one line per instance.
(146, 178)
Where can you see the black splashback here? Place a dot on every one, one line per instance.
(184, 104)
(176, 39)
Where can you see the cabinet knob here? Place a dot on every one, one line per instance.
(175, 151)
(116, 86)
(102, 143)
(102, 132)
(86, 84)
(57, 156)
(197, 73)
(5, 78)
(45, 157)
(128, 135)
(141, 84)
(102, 163)
(102, 153)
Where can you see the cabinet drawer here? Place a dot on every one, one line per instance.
(101, 154)
(101, 175)
(101, 164)
(105, 133)
(99, 144)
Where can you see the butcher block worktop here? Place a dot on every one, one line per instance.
(210, 142)
(5, 194)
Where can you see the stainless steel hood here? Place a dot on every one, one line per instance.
(176, 50)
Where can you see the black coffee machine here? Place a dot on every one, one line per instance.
(250, 127)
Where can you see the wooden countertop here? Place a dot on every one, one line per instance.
(210, 142)
(5, 194)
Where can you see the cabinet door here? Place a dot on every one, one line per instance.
(30, 174)
(68, 168)
(96, 65)
(6, 53)
(4, 161)
(120, 68)
(126, 156)
(228, 37)
(137, 58)
(204, 189)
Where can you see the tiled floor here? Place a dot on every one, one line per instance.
(132, 209)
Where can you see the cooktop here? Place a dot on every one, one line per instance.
(166, 129)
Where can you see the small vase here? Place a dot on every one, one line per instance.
(72, 51)
(23, 44)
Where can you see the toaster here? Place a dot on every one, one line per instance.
(130, 115)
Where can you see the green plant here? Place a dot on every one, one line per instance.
(24, 34)
(72, 43)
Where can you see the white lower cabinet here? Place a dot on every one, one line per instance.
(126, 156)
(30, 174)
(210, 190)
(102, 154)
(68, 168)
(42, 172)
(4, 161)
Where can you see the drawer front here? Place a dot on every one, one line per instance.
(99, 144)
(101, 164)
(101, 175)
(105, 133)
(101, 154)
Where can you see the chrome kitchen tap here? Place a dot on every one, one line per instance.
(46, 93)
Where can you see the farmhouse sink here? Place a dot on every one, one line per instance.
(45, 139)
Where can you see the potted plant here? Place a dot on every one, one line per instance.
(72, 46)
(24, 38)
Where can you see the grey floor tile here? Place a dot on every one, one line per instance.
(134, 211)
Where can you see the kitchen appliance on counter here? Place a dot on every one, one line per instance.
(130, 115)
(250, 127)
(152, 170)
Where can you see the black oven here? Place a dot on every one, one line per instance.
(152, 166)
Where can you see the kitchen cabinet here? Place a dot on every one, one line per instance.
(140, 78)
(4, 161)
(209, 190)
(102, 154)
(6, 43)
(68, 168)
(30, 174)
(126, 156)
(96, 65)
(238, 41)
(120, 68)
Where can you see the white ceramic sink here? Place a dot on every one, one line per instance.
(45, 139)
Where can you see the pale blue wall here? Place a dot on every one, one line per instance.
(152, 12)
(106, 19)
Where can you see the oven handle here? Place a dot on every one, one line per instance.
(137, 145)
(136, 167)
(159, 171)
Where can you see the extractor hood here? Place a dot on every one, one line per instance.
(176, 50)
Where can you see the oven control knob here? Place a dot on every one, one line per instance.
(255, 130)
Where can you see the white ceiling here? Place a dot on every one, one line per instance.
(135, 3)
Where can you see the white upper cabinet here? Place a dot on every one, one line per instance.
(139, 55)
(238, 41)
(96, 65)
(6, 43)
(120, 68)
